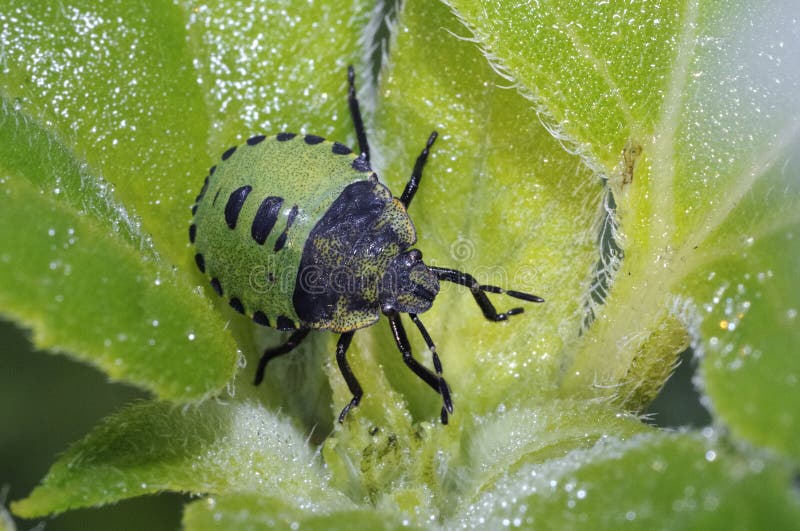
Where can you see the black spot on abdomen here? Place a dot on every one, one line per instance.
(201, 262)
(202, 191)
(313, 140)
(236, 304)
(282, 238)
(228, 153)
(235, 204)
(265, 218)
(340, 149)
(284, 323)
(261, 318)
(217, 286)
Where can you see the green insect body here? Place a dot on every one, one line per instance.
(253, 257)
(297, 233)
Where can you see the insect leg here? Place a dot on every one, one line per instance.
(444, 390)
(355, 112)
(478, 291)
(416, 174)
(347, 373)
(294, 340)
(437, 383)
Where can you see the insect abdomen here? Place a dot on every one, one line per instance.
(254, 215)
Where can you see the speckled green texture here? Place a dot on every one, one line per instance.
(351, 256)
(309, 177)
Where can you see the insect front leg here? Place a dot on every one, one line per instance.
(436, 382)
(355, 112)
(416, 174)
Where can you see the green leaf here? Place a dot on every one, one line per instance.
(78, 270)
(705, 96)
(115, 83)
(213, 448)
(656, 480)
(249, 512)
(749, 301)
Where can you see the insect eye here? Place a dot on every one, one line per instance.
(415, 255)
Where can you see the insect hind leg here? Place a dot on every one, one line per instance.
(294, 340)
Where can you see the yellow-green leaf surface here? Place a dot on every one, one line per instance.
(80, 272)
(748, 302)
(690, 110)
(214, 448)
(250, 512)
(675, 481)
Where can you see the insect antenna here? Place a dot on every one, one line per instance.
(479, 293)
